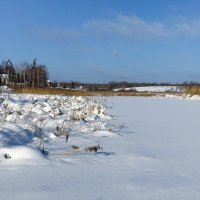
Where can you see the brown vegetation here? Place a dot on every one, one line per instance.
(94, 148)
(192, 90)
(59, 91)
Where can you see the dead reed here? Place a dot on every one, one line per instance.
(59, 91)
(192, 90)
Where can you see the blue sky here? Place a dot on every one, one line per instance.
(104, 40)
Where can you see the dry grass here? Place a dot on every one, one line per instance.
(49, 91)
(94, 148)
(192, 90)
(58, 91)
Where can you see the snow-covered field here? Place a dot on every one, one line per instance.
(150, 148)
(152, 89)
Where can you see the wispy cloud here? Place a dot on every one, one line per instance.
(125, 27)
(57, 34)
(128, 27)
(134, 27)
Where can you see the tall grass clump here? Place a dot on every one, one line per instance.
(192, 90)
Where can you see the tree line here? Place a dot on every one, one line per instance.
(112, 85)
(36, 75)
(25, 74)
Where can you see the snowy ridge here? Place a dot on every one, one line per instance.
(41, 121)
(21, 153)
(184, 96)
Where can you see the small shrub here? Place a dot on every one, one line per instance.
(74, 147)
(93, 148)
(7, 156)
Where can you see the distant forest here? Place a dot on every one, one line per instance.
(36, 75)
(25, 74)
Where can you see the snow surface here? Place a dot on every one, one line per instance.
(21, 153)
(150, 149)
(152, 89)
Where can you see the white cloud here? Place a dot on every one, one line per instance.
(133, 27)
(128, 27)
(188, 28)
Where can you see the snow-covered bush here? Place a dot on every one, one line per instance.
(48, 117)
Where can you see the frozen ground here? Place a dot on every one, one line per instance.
(150, 150)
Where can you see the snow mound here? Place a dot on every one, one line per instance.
(104, 133)
(20, 153)
(192, 97)
(48, 120)
(13, 134)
